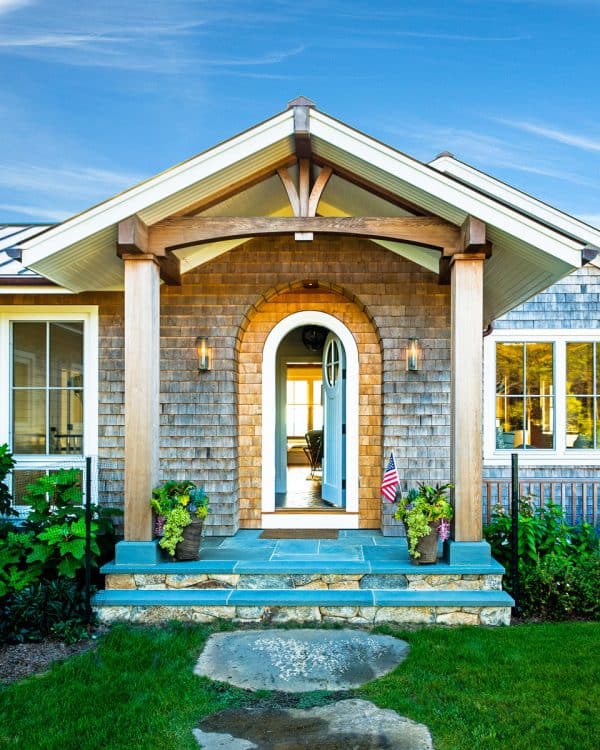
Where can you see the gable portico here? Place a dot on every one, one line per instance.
(298, 165)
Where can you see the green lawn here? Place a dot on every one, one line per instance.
(529, 686)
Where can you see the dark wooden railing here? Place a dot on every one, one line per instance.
(578, 497)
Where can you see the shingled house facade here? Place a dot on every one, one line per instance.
(300, 227)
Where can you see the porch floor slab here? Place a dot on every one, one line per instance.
(358, 552)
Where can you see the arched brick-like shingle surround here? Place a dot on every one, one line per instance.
(278, 304)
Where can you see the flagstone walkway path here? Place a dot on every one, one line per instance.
(302, 660)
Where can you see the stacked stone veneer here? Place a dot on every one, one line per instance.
(354, 615)
(209, 420)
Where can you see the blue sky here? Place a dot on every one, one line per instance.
(96, 95)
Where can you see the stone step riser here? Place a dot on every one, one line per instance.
(306, 581)
(347, 615)
(352, 606)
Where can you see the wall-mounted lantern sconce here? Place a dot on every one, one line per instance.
(204, 353)
(412, 354)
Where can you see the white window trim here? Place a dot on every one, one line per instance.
(88, 314)
(560, 455)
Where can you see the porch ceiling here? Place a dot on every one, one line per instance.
(238, 178)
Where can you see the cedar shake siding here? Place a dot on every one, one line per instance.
(210, 421)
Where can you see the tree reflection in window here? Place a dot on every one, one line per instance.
(525, 395)
(582, 394)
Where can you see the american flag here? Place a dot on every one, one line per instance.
(391, 480)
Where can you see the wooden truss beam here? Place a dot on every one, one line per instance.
(304, 200)
(171, 234)
(472, 240)
(133, 239)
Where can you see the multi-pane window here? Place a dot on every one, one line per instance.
(582, 394)
(47, 387)
(525, 405)
(546, 395)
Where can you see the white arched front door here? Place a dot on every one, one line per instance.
(342, 472)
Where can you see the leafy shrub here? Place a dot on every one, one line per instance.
(559, 564)
(559, 588)
(51, 540)
(42, 560)
(6, 465)
(43, 609)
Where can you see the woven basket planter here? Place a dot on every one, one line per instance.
(428, 547)
(189, 548)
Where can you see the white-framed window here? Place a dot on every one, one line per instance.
(542, 396)
(48, 388)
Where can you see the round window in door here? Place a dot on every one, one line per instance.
(332, 363)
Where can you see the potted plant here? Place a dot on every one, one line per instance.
(426, 514)
(180, 509)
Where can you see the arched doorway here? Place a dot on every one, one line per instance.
(344, 313)
(338, 362)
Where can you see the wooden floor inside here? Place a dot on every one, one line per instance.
(303, 491)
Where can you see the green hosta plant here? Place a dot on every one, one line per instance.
(176, 505)
(51, 540)
(422, 509)
(559, 563)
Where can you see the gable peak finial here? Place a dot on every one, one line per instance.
(301, 101)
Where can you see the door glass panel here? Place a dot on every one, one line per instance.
(29, 355)
(66, 354)
(66, 421)
(29, 421)
(47, 366)
(332, 362)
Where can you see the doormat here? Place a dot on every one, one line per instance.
(299, 534)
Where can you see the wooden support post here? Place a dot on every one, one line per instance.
(466, 399)
(142, 384)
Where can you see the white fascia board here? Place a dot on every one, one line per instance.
(433, 182)
(157, 188)
(19, 289)
(522, 201)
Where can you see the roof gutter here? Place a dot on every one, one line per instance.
(588, 254)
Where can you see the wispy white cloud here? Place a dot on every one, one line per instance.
(485, 150)
(462, 37)
(152, 36)
(63, 41)
(35, 212)
(6, 6)
(560, 136)
(83, 182)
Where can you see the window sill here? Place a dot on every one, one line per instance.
(544, 457)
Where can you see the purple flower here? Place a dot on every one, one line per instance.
(444, 529)
(159, 526)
